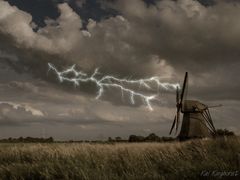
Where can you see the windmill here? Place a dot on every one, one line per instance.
(196, 121)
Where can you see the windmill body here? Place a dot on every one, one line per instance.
(196, 121)
(193, 123)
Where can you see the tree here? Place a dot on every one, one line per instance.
(224, 132)
(110, 139)
(134, 138)
(152, 137)
(118, 139)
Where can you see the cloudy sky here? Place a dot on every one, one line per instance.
(127, 39)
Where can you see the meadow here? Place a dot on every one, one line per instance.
(175, 160)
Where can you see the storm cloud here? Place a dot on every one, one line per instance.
(128, 39)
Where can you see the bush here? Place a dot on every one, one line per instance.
(134, 138)
(152, 137)
(224, 132)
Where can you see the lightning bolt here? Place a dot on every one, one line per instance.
(112, 82)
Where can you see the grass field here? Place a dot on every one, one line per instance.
(119, 161)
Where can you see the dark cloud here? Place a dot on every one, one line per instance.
(185, 34)
(13, 114)
(126, 39)
(39, 9)
(42, 9)
(191, 37)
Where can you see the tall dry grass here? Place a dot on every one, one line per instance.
(118, 161)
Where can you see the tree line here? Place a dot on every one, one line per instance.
(28, 140)
(132, 138)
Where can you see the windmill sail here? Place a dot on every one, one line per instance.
(184, 92)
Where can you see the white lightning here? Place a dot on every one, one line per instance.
(111, 81)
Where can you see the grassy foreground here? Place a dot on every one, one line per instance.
(118, 161)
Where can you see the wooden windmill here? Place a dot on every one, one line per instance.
(196, 121)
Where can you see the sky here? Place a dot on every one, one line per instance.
(126, 39)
